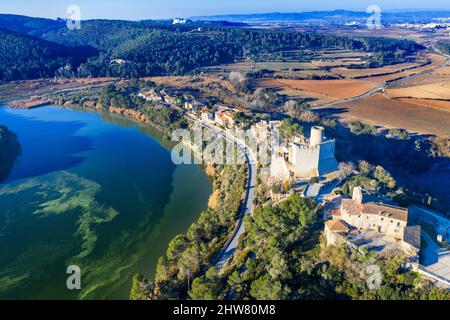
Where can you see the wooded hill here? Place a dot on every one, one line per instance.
(147, 48)
(26, 57)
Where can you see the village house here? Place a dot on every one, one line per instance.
(206, 114)
(169, 99)
(225, 119)
(192, 105)
(260, 131)
(359, 222)
(151, 95)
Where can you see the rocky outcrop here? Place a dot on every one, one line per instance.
(29, 103)
(131, 113)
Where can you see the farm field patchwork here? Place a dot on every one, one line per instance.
(429, 103)
(359, 73)
(304, 74)
(277, 66)
(438, 91)
(322, 91)
(242, 66)
(392, 113)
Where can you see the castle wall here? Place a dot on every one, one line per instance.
(311, 161)
(305, 160)
(314, 159)
(327, 161)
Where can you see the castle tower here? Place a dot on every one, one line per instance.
(316, 136)
(316, 159)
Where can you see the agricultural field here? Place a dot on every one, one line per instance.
(279, 66)
(437, 62)
(334, 63)
(429, 103)
(341, 54)
(30, 88)
(394, 33)
(417, 97)
(392, 113)
(318, 91)
(439, 74)
(436, 91)
(191, 82)
(201, 87)
(418, 103)
(361, 73)
(224, 69)
(304, 74)
(356, 82)
(431, 90)
(339, 58)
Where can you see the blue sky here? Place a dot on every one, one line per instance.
(153, 9)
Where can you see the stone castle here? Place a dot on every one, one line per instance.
(313, 159)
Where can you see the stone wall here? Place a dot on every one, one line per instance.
(305, 160)
(327, 161)
(377, 223)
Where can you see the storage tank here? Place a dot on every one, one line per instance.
(316, 136)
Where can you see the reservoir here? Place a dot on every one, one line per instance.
(92, 190)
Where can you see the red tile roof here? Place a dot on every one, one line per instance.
(338, 226)
(386, 210)
(351, 206)
(355, 208)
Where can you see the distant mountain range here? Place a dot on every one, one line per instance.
(326, 17)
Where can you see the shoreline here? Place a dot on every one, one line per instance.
(141, 119)
(140, 127)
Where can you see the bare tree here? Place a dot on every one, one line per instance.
(299, 110)
(346, 169)
(262, 100)
(238, 80)
(308, 116)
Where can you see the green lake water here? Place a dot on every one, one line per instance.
(92, 190)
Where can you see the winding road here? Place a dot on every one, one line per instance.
(247, 207)
(384, 84)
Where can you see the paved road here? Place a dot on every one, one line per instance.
(363, 96)
(313, 190)
(383, 85)
(247, 206)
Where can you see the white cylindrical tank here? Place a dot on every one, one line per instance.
(316, 136)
